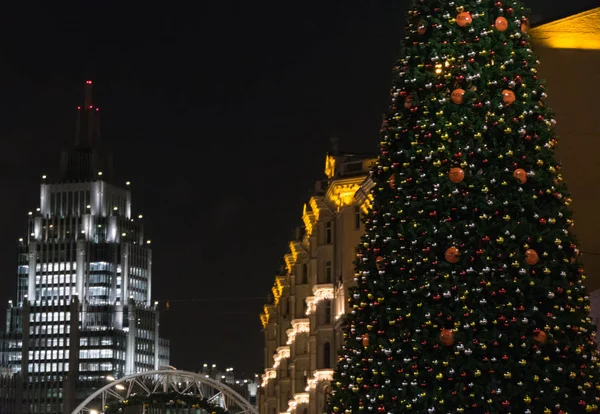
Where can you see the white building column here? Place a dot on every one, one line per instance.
(80, 269)
(148, 298)
(124, 273)
(130, 353)
(156, 339)
(31, 275)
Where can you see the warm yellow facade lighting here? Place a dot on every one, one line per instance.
(277, 289)
(320, 292)
(318, 376)
(341, 193)
(330, 166)
(299, 399)
(309, 219)
(298, 326)
(282, 353)
(264, 317)
(323, 291)
(270, 373)
(580, 31)
(289, 262)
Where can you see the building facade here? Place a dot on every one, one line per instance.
(245, 386)
(82, 310)
(301, 323)
(569, 52)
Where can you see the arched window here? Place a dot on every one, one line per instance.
(326, 355)
(326, 395)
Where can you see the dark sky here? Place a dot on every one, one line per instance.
(219, 113)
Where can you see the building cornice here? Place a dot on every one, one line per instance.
(341, 192)
(580, 31)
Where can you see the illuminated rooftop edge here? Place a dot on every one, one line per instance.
(580, 31)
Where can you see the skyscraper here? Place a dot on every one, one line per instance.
(83, 311)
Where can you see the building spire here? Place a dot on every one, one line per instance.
(88, 94)
(335, 145)
(85, 160)
(88, 125)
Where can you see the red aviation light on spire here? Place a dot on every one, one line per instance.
(88, 95)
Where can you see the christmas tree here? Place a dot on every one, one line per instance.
(470, 296)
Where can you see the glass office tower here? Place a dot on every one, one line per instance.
(83, 311)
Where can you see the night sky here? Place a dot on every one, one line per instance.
(220, 114)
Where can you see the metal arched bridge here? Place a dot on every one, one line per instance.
(163, 381)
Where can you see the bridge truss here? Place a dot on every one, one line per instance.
(166, 381)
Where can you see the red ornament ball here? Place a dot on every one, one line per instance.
(456, 175)
(452, 255)
(365, 340)
(447, 337)
(531, 257)
(408, 102)
(520, 175)
(508, 96)
(457, 96)
(464, 19)
(501, 24)
(540, 337)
